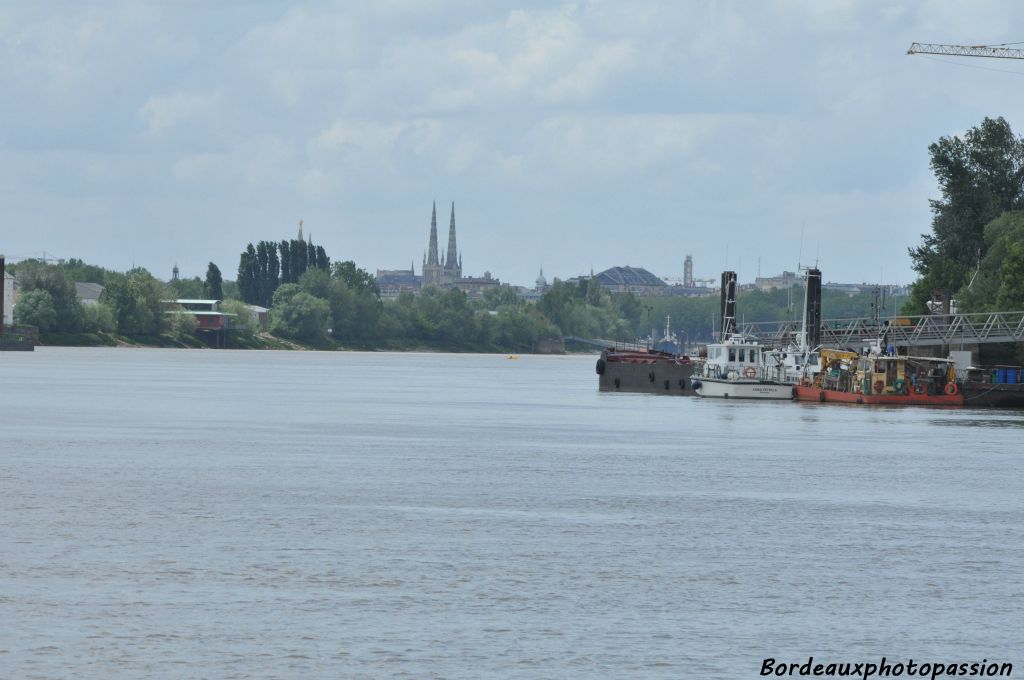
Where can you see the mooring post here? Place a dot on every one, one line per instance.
(3, 292)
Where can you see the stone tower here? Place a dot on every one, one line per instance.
(452, 261)
(433, 267)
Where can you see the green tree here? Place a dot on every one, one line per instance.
(77, 270)
(501, 296)
(36, 308)
(1011, 287)
(181, 323)
(98, 318)
(285, 250)
(190, 289)
(355, 303)
(356, 279)
(316, 282)
(980, 177)
(137, 301)
(322, 261)
(214, 285)
(247, 275)
(36, 275)
(242, 320)
(299, 315)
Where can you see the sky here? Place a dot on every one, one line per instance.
(570, 136)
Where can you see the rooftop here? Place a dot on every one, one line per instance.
(628, 276)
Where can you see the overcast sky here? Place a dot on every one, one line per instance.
(570, 136)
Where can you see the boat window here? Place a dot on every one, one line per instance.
(732, 354)
(742, 354)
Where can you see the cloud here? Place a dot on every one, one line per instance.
(162, 112)
(737, 115)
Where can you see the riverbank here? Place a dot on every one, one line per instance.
(166, 340)
(267, 341)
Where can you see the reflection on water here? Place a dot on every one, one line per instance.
(275, 514)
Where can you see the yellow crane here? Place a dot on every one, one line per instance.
(990, 51)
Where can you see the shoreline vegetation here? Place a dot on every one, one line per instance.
(974, 256)
(340, 308)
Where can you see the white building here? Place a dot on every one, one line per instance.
(10, 288)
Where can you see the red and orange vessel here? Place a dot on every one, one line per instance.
(882, 379)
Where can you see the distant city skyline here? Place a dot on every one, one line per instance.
(571, 136)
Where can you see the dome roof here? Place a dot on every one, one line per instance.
(629, 276)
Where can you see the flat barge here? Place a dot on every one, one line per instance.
(651, 371)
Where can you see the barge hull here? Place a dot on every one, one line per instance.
(1001, 395)
(651, 373)
(811, 393)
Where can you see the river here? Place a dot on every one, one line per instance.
(244, 514)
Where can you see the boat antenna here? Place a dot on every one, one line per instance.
(800, 254)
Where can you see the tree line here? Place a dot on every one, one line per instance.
(340, 305)
(268, 264)
(132, 303)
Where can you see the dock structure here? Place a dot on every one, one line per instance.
(932, 330)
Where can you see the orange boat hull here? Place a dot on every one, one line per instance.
(812, 393)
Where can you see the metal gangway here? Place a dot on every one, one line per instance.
(901, 331)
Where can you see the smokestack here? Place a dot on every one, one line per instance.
(813, 311)
(3, 291)
(728, 304)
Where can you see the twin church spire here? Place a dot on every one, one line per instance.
(436, 270)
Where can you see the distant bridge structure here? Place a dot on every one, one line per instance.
(931, 330)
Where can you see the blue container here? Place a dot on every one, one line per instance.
(1013, 376)
(1000, 376)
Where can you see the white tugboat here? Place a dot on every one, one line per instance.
(734, 368)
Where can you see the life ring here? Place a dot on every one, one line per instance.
(878, 386)
(600, 366)
(749, 372)
(952, 389)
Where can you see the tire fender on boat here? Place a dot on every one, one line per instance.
(600, 366)
(821, 395)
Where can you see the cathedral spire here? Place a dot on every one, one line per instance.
(432, 248)
(452, 258)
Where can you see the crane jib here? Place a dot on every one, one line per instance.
(966, 51)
